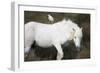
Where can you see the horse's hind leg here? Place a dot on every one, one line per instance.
(28, 44)
(60, 51)
(26, 50)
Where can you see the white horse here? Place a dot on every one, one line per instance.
(56, 34)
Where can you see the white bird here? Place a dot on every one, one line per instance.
(50, 18)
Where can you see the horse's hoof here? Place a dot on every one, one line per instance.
(59, 56)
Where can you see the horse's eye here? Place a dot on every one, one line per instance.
(75, 37)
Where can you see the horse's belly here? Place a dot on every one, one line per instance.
(43, 41)
(43, 38)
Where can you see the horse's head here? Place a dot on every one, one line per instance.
(77, 37)
(74, 30)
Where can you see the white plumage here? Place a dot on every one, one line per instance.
(50, 18)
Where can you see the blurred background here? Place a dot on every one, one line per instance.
(38, 53)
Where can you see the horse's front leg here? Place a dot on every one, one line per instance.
(60, 51)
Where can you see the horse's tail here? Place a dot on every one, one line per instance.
(29, 35)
